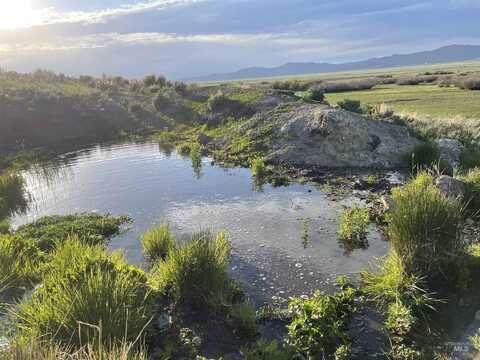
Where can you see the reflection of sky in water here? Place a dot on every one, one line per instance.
(140, 180)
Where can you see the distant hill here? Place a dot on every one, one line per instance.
(451, 53)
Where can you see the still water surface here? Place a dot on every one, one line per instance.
(153, 185)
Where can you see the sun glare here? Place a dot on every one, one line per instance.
(16, 14)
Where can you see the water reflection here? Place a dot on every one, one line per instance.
(152, 184)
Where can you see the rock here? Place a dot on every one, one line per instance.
(452, 187)
(314, 135)
(450, 151)
(203, 139)
(164, 321)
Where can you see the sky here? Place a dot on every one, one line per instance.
(183, 39)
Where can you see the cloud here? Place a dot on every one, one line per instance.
(51, 16)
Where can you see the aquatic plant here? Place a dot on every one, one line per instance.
(319, 324)
(353, 227)
(194, 274)
(425, 227)
(94, 297)
(90, 228)
(158, 242)
(258, 168)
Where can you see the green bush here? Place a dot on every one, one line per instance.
(351, 105)
(424, 156)
(194, 275)
(90, 298)
(470, 157)
(4, 226)
(91, 228)
(158, 242)
(425, 227)
(258, 169)
(399, 321)
(353, 228)
(220, 102)
(320, 324)
(149, 80)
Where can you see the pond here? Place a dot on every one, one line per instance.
(284, 238)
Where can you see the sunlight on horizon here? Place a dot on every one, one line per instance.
(15, 14)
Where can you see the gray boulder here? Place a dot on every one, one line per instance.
(319, 135)
(451, 186)
(450, 151)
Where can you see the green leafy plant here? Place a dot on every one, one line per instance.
(319, 324)
(245, 317)
(264, 350)
(353, 228)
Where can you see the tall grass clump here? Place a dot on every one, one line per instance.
(258, 168)
(194, 275)
(13, 196)
(392, 284)
(158, 242)
(425, 227)
(90, 298)
(41, 350)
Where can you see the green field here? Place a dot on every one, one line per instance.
(422, 100)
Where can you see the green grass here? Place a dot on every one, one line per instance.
(91, 228)
(425, 227)
(422, 100)
(472, 178)
(158, 242)
(194, 275)
(91, 296)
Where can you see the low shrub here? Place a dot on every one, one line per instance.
(425, 227)
(194, 275)
(158, 242)
(343, 86)
(4, 226)
(351, 105)
(149, 80)
(319, 325)
(220, 102)
(399, 321)
(96, 298)
(315, 93)
(293, 85)
(469, 83)
(353, 227)
(90, 228)
(470, 157)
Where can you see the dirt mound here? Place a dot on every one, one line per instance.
(322, 136)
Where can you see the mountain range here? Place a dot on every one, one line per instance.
(445, 54)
